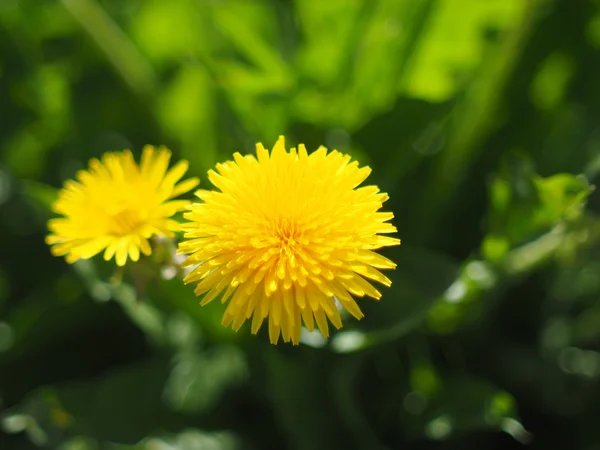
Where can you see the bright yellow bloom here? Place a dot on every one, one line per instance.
(287, 235)
(117, 206)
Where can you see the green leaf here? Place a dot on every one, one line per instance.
(169, 31)
(199, 379)
(524, 205)
(461, 298)
(453, 45)
(124, 405)
(345, 382)
(241, 23)
(36, 417)
(300, 398)
(207, 318)
(352, 56)
(551, 82)
(494, 247)
(186, 109)
(192, 439)
(562, 197)
(465, 404)
(41, 194)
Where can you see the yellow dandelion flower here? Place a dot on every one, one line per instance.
(116, 206)
(287, 235)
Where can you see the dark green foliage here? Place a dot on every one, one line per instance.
(481, 119)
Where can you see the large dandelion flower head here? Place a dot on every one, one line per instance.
(115, 206)
(287, 235)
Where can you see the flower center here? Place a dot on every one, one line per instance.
(125, 221)
(287, 232)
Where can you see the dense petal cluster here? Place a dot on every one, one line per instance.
(116, 206)
(288, 235)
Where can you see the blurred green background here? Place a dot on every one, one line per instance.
(480, 118)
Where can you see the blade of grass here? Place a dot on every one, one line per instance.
(125, 58)
(475, 118)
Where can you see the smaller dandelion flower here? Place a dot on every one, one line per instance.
(288, 236)
(115, 206)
